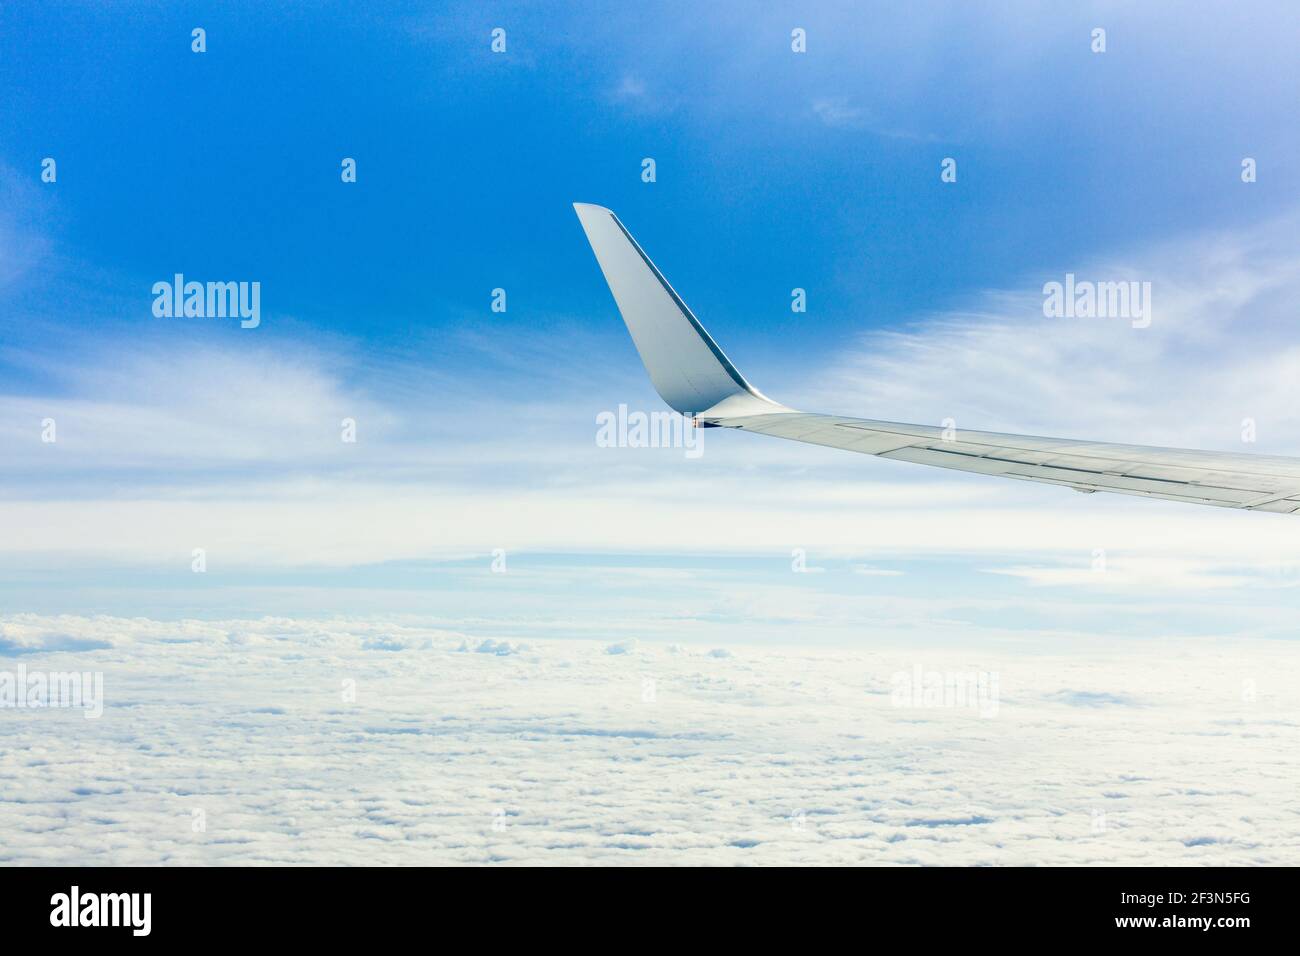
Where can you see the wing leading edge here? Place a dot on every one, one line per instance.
(693, 376)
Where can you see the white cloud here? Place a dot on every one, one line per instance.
(1221, 347)
(238, 452)
(837, 112)
(1146, 575)
(629, 88)
(1179, 752)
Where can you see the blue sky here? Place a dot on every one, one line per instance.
(775, 170)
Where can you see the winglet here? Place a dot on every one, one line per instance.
(687, 367)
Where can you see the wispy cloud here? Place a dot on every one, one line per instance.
(839, 112)
(1221, 348)
(629, 88)
(240, 451)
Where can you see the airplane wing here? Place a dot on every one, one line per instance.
(694, 377)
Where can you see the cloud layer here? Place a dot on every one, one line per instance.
(236, 742)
